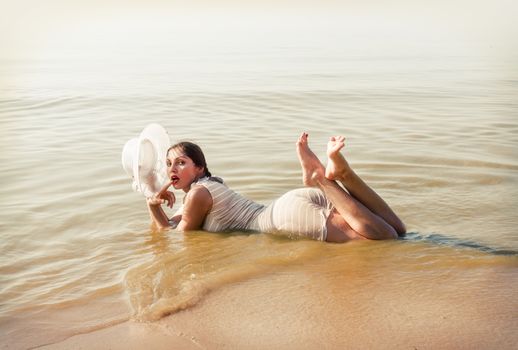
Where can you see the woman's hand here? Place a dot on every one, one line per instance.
(162, 196)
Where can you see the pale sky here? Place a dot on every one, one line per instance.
(29, 26)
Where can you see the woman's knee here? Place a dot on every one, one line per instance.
(338, 230)
(376, 231)
(391, 234)
(387, 232)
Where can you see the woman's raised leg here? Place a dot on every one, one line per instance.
(358, 217)
(338, 169)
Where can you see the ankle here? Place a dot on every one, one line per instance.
(346, 175)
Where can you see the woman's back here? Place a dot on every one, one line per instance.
(230, 210)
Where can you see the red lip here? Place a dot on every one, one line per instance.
(175, 179)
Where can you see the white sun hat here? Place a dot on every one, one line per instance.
(144, 157)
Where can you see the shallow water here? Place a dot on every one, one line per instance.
(434, 130)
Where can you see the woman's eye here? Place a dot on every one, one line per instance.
(168, 163)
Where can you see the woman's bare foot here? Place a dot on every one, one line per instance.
(312, 169)
(337, 167)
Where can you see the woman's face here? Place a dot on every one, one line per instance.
(181, 170)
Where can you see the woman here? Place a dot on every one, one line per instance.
(322, 211)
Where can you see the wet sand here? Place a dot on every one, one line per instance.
(248, 316)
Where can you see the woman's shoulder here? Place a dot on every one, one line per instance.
(198, 194)
(215, 189)
(197, 204)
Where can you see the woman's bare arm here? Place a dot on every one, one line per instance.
(198, 203)
(158, 216)
(154, 205)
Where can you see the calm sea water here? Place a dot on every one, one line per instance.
(433, 130)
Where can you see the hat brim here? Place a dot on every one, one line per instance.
(149, 162)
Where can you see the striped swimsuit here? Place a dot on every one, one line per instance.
(300, 212)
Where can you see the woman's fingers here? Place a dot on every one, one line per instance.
(169, 199)
(166, 186)
(164, 196)
(172, 198)
(154, 200)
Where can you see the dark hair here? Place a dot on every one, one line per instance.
(194, 152)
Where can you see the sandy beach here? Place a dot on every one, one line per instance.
(243, 317)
